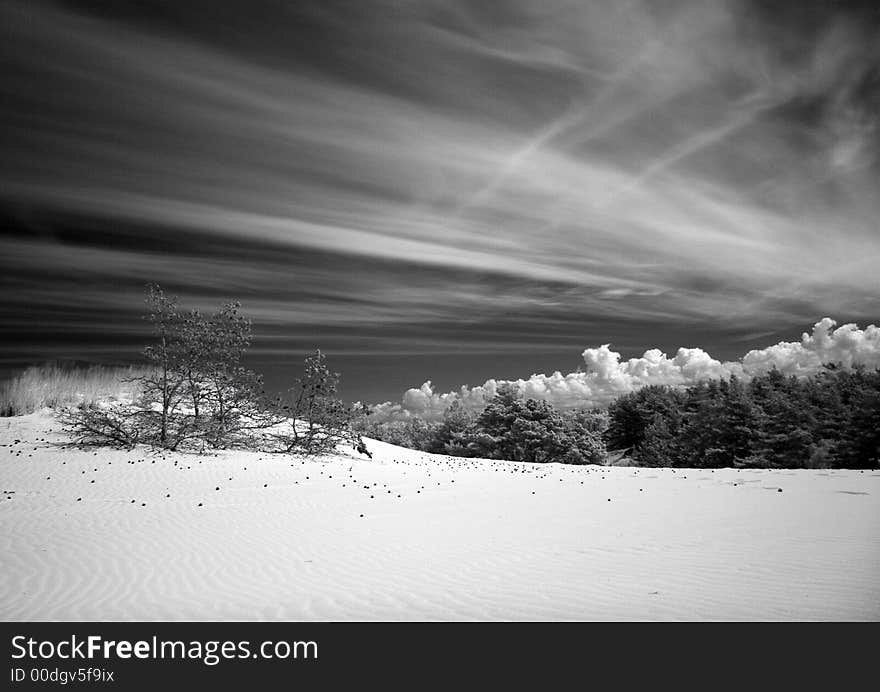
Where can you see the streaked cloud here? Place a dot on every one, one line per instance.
(704, 165)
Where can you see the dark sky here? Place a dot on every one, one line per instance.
(439, 190)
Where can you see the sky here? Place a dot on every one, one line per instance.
(439, 190)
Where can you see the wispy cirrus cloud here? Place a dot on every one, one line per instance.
(695, 163)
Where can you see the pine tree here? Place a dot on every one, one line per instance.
(453, 435)
(318, 420)
(658, 448)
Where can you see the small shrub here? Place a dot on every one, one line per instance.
(90, 425)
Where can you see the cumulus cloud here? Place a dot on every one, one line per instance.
(606, 376)
(847, 345)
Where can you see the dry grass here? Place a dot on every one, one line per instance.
(55, 386)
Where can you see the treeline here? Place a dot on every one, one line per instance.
(828, 420)
(509, 427)
(196, 393)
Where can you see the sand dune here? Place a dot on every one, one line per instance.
(118, 535)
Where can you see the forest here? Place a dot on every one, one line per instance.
(830, 419)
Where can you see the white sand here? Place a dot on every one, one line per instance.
(441, 538)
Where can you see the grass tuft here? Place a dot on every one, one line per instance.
(55, 386)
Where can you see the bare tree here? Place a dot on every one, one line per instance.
(164, 385)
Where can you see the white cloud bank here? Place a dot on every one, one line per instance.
(606, 377)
